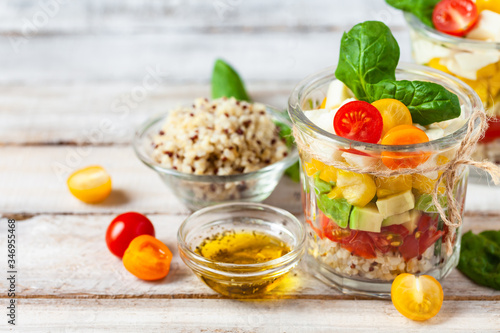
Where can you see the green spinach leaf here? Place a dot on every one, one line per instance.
(422, 9)
(369, 53)
(320, 186)
(480, 258)
(338, 210)
(428, 102)
(227, 83)
(285, 132)
(294, 172)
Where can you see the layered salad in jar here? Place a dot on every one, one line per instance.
(462, 38)
(369, 210)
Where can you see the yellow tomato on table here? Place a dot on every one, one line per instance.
(417, 297)
(91, 184)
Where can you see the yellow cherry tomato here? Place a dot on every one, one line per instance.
(357, 188)
(417, 297)
(91, 184)
(493, 5)
(394, 113)
(147, 258)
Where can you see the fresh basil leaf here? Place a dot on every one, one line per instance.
(369, 53)
(422, 9)
(338, 210)
(480, 258)
(227, 83)
(428, 102)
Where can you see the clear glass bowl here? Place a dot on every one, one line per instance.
(241, 280)
(441, 51)
(364, 259)
(198, 191)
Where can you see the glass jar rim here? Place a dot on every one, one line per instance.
(228, 268)
(328, 75)
(143, 129)
(438, 36)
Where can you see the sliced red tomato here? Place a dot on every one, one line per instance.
(333, 232)
(389, 238)
(493, 131)
(359, 121)
(455, 17)
(360, 245)
(425, 235)
(354, 151)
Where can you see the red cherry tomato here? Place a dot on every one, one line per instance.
(124, 228)
(455, 17)
(493, 131)
(359, 121)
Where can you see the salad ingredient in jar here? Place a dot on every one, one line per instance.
(417, 297)
(91, 184)
(124, 228)
(404, 135)
(242, 248)
(455, 17)
(219, 137)
(493, 5)
(393, 112)
(359, 121)
(147, 258)
(480, 258)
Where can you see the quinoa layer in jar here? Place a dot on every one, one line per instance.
(365, 229)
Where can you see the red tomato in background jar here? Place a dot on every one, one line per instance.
(124, 228)
(455, 17)
(493, 131)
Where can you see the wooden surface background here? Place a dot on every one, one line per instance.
(72, 91)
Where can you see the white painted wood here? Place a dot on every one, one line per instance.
(79, 113)
(66, 256)
(302, 316)
(133, 16)
(265, 56)
(33, 180)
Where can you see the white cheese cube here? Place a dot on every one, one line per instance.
(487, 28)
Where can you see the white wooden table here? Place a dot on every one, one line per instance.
(63, 86)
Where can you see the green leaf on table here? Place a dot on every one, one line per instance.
(422, 9)
(480, 258)
(369, 53)
(428, 102)
(227, 83)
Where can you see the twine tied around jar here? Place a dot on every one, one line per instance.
(449, 171)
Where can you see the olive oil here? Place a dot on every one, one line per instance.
(243, 248)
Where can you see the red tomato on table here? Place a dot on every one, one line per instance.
(124, 228)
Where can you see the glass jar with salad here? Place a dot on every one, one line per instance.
(372, 154)
(462, 38)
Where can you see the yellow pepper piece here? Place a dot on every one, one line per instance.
(425, 184)
(391, 185)
(314, 166)
(335, 193)
(436, 64)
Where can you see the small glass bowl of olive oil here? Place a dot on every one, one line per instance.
(241, 250)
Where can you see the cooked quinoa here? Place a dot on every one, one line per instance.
(219, 137)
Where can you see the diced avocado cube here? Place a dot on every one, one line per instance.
(396, 219)
(396, 204)
(412, 224)
(366, 218)
(336, 209)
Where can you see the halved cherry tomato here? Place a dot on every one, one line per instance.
(404, 135)
(393, 112)
(455, 17)
(493, 5)
(360, 244)
(417, 297)
(124, 228)
(493, 131)
(91, 184)
(359, 121)
(147, 258)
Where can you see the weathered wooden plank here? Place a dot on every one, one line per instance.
(115, 16)
(70, 253)
(41, 186)
(154, 315)
(81, 113)
(264, 56)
